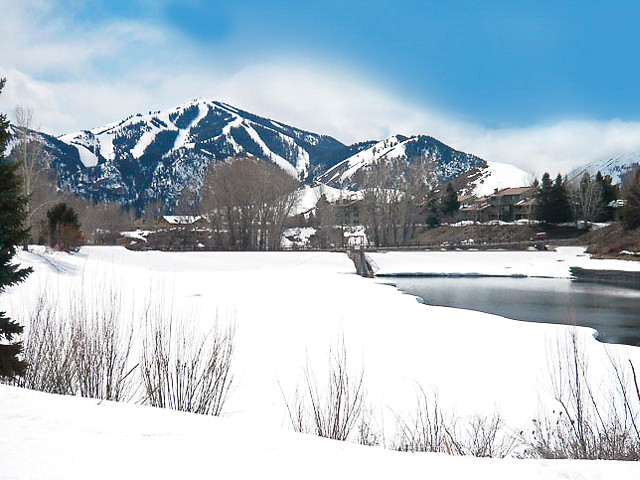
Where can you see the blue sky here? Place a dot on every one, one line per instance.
(499, 62)
(483, 75)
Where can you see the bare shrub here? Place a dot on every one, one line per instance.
(487, 436)
(48, 351)
(100, 349)
(593, 421)
(367, 432)
(428, 429)
(183, 372)
(332, 411)
(431, 429)
(248, 201)
(83, 351)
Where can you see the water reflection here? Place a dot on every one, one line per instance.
(613, 311)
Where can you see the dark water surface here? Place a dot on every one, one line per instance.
(613, 311)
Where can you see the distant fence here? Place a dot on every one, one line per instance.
(514, 245)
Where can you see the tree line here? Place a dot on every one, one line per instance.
(248, 202)
(587, 199)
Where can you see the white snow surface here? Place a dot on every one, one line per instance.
(498, 176)
(533, 263)
(297, 237)
(289, 307)
(55, 437)
(309, 195)
(616, 167)
(389, 148)
(87, 157)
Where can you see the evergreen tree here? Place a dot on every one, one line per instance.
(560, 201)
(12, 233)
(63, 227)
(450, 203)
(545, 199)
(608, 193)
(554, 205)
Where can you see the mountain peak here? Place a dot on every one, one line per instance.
(152, 156)
(449, 163)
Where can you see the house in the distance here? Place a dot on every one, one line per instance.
(177, 221)
(475, 209)
(508, 204)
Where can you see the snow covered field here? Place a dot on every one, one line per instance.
(553, 264)
(289, 307)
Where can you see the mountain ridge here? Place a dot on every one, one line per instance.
(152, 157)
(448, 163)
(617, 167)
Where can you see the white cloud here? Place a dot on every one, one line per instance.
(557, 147)
(74, 78)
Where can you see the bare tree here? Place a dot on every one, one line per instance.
(586, 197)
(188, 201)
(397, 196)
(631, 194)
(102, 223)
(248, 202)
(34, 168)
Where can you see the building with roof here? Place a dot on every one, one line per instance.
(173, 221)
(508, 204)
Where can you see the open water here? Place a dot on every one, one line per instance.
(613, 311)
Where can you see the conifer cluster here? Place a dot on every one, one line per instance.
(12, 233)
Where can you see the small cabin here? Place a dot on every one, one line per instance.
(356, 241)
(177, 221)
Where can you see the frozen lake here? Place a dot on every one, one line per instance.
(613, 311)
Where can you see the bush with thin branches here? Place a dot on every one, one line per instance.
(101, 348)
(432, 429)
(335, 410)
(428, 429)
(48, 351)
(83, 351)
(184, 372)
(591, 420)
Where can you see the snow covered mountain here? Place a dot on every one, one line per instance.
(487, 177)
(471, 173)
(616, 167)
(153, 157)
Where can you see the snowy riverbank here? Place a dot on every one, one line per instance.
(533, 263)
(289, 307)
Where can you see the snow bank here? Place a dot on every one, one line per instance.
(49, 436)
(289, 307)
(553, 264)
(498, 176)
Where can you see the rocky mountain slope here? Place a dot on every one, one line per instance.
(616, 167)
(153, 157)
(448, 163)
